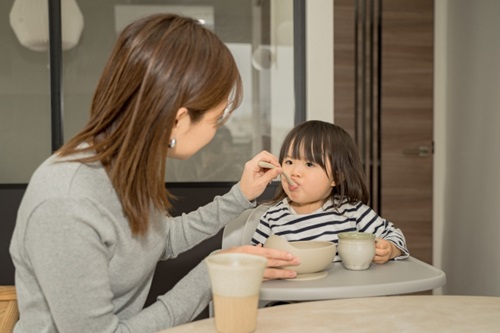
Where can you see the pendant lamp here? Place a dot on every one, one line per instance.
(30, 21)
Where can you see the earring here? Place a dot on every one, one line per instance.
(172, 143)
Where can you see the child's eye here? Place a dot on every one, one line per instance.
(309, 164)
(287, 162)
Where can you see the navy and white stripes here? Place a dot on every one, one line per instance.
(325, 223)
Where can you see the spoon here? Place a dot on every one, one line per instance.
(267, 165)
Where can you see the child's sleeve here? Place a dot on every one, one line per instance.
(369, 221)
(262, 232)
(395, 236)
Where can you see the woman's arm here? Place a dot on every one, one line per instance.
(187, 230)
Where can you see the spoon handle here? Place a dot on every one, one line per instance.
(267, 165)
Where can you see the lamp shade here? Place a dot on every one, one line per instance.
(30, 21)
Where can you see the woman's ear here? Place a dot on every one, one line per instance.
(182, 118)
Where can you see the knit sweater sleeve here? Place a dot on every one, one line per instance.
(188, 230)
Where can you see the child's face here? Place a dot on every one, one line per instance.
(314, 186)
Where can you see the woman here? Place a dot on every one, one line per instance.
(94, 219)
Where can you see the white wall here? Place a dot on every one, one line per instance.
(319, 59)
(440, 144)
(467, 109)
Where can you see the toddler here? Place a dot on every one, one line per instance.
(330, 195)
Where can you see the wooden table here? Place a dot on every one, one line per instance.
(9, 313)
(375, 314)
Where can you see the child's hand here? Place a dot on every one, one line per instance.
(384, 251)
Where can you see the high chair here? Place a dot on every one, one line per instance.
(9, 313)
(240, 230)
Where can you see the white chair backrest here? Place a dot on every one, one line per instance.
(240, 230)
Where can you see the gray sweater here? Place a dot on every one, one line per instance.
(78, 267)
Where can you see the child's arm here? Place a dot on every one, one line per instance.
(369, 221)
(263, 230)
(261, 233)
(384, 251)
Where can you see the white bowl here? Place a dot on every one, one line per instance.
(315, 256)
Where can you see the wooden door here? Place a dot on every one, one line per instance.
(406, 109)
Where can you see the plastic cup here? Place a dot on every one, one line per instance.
(236, 279)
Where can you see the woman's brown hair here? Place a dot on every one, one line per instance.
(158, 65)
(332, 148)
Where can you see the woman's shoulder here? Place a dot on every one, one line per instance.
(62, 177)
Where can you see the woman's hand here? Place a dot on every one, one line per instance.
(275, 260)
(384, 251)
(255, 179)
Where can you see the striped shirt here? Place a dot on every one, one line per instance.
(325, 224)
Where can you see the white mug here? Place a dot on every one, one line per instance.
(356, 249)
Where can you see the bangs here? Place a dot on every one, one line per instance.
(309, 147)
